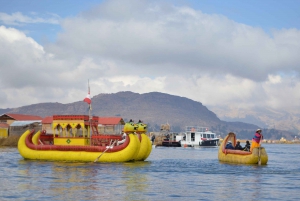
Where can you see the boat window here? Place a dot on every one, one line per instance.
(204, 135)
(208, 135)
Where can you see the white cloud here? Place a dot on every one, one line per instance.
(18, 18)
(180, 36)
(148, 47)
(274, 79)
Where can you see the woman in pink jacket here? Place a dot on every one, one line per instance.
(256, 139)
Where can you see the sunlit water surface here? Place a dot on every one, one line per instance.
(168, 174)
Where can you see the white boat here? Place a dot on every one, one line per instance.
(171, 140)
(196, 136)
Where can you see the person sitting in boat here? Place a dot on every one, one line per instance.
(247, 146)
(229, 145)
(238, 146)
(256, 139)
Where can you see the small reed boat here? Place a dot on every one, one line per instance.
(257, 156)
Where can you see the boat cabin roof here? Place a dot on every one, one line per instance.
(195, 129)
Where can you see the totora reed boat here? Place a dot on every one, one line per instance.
(76, 138)
(257, 156)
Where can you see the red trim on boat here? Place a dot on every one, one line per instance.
(232, 151)
(88, 148)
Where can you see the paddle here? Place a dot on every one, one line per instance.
(107, 148)
(259, 151)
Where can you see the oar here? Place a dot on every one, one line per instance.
(108, 147)
(259, 151)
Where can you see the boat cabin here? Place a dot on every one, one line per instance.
(199, 136)
(198, 133)
(73, 129)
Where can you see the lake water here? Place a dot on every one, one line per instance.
(168, 174)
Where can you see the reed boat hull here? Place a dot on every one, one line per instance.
(35, 138)
(128, 153)
(252, 158)
(145, 148)
(241, 157)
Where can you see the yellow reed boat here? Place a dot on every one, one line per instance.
(257, 156)
(71, 141)
(146, 145)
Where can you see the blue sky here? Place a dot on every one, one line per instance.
(267, 14)
(228, 55)
(43, 31)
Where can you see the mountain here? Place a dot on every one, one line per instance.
(2, 111)
(154, 109)
(263, 117)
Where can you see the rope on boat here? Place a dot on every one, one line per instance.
(107, 148)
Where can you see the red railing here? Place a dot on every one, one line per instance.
(100, 140)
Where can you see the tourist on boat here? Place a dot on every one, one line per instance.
(247, 146)
(256, 139)
(152, 138)
(238, 146)
(229, 145)
(168, 136)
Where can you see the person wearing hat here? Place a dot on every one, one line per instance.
(256, 139)
(229, 145)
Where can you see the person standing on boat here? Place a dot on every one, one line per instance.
(152, 138)
(168, 136)
(256, 139)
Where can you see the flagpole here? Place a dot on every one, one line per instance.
(91, 102)
(90, 115)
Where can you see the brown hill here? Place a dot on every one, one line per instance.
(153, 108)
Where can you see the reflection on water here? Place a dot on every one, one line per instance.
(83, 181)
(168, 174)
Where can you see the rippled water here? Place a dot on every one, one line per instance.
(168, 174)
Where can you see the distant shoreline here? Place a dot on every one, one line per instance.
(13, 141)
(10, 141)
(271, 141)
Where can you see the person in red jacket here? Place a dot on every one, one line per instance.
(256, 139)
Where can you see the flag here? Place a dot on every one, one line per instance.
(87, 99)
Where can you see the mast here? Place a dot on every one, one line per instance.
(90, 116)
(88, 100)
(90, 105)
